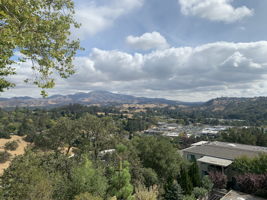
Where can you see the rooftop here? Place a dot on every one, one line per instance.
(233, 195)
(225, 150)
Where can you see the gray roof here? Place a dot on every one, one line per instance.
(225, 150)
(233, 195)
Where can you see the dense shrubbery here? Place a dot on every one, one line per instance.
(219, 179)
(251, 136)
(253, 184)
(11, 146)
(256, 165)
(4, 156)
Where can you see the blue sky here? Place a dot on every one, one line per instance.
(190, 50)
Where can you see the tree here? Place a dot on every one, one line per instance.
(143, 193)
(219, 179)
(200, 192)
(85, 178)
(97, 132)
(173, 191)
(12, 145)
(185, 181)
(63, 134)
(159, 155)
(86, 196)
(33, 176)
(194, 174)
(26, 181)
(37, 32)
(150, 177)
(257, 165)
(207, 183)
(120, 183)
(253, 183)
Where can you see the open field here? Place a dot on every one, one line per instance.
(19, 151)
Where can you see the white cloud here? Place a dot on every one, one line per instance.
(95, 18)
(196, 73)
(147, 41)
(215, 10)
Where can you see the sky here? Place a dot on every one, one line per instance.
(188, 50)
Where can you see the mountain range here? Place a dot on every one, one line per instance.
(95, 97)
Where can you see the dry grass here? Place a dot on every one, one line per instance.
(19, 151)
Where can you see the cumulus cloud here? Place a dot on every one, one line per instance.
(147, 41)
(210, 70)
(215, 10)
(95, 18)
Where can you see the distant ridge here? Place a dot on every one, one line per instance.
(94, 97)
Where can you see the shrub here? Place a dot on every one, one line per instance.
(4, 156)
(200, 192)
(189, 197)
(12, 146)
(86, 196)
(207, 183)
(143, 193)
(252, 183)
(4, 135)
(219, 179)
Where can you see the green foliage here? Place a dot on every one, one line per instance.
(189, 197)
(194, 174)
(185, 181)
(85, 178)
(12, 146)
(37, 176)
(256, 165)
(86, 196)
(143, 193)
(150, 177)
(159, 155)
(251, 136)
(4, 134)
(63, 134)
(26, 127)
(218, 179)
(25, 181)
(207, 183)
(173, 191)
(120, 185)
(4, 156)
(40, 31)
(199, 192)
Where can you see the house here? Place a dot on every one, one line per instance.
(219, 155)
(234, 195)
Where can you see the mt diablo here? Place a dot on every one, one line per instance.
(105, 98)
(95, 97)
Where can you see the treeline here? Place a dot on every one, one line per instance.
(250, 136)
(90, 157)
(23, 121)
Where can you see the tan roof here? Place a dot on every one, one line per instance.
(225, 150)
(215, 161)
(233, 195)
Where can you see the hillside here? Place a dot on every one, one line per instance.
(252, 110)
(95, 97)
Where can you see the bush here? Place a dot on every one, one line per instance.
(252, 183)
(4, 135)
(219, 179)
(143, 193)
(86, 196)
(207, 183)
(189, 197)
(12, 146)
(4, 156)
(200, 192)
